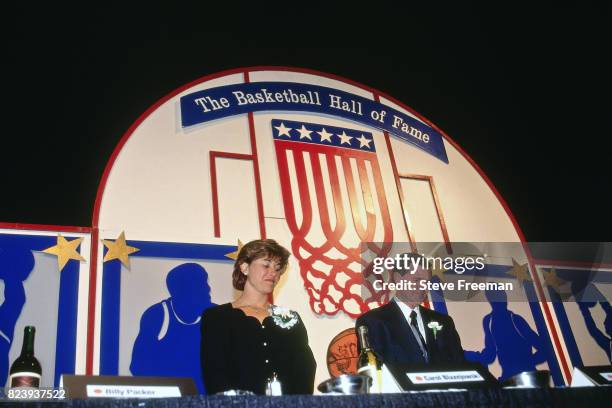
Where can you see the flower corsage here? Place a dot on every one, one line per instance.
(435, 326)
(283, 317)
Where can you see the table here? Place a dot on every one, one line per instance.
(521, 398)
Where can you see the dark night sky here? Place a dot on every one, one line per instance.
(521, 91)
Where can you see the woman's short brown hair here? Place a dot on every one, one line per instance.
(257, 249)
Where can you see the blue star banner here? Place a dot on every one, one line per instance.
(231, 100)
(322, 135)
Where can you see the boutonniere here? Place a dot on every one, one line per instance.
(283, 317)
(435, 326)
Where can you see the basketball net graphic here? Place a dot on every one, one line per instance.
(334, 172)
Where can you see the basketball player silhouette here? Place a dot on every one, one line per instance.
(509, 338)
(168, 343)
(588, 296)
(15, 267)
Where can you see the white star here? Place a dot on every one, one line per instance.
(282, 130)
(304, 133)
(364, 141)
(325, 135)
(344, 138)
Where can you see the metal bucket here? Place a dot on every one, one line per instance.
(347, 384)
(235, 392)
(528, 379)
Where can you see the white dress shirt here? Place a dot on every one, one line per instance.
(407, 310)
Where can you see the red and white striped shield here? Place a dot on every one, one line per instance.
(334, 199)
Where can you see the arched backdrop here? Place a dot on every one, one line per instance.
(315, 161)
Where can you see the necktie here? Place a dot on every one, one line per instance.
(415, 329)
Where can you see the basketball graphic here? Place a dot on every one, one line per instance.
(342, 354)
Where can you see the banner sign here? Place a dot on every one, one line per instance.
(230, 100)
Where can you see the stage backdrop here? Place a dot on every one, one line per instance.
(318, 163)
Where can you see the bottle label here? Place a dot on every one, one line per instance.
(367, 370)
(24, 379)
(375, 375)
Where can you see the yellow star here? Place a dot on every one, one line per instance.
(520, 272)
(119, 249)
(439, 272)
(234, 255)
(65, 251)
(552, 279)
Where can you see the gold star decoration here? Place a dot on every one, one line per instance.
(65, 250)
(234, 255)
(119, 249)
(520, 272)
(551, 279)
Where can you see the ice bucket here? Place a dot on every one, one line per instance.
(347, 384)
(528, 379)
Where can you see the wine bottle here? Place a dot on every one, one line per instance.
(368, 363)
(26, 371)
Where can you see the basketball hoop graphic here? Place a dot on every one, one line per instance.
(335, 171)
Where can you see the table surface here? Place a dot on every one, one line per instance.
(523, 398)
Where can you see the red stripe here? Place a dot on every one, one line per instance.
(548, 315)
(398, 185)
(382, 202)
(434, 193)
(368, 201)
(304, 192)
(260, 211)
(322, 203)
(286, 187)
(356, 208)
(213, 192)
(91, 307)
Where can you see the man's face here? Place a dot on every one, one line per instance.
(417, 294)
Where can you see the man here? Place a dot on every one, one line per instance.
(404, 332)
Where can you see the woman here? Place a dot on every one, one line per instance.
(246, 342)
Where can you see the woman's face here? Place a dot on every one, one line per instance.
(262, 274)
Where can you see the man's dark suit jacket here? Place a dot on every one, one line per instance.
(393, 340)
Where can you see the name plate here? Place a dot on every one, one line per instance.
(607, 376)
(591, 376)
(132, 391)
(441, 377)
